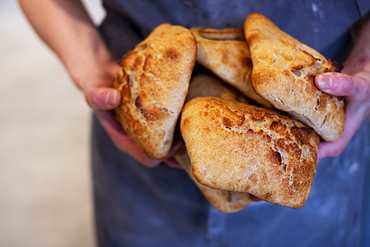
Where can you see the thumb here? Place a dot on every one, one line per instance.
(103, 98)
(339, 84)
(98, 88)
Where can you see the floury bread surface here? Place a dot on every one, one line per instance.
(238, 147)
(283, 74)
(207, 84)
(225, 52)
(154, 82)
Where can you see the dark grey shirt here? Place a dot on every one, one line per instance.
(139, 206)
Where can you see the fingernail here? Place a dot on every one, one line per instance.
(112, 97)
(325, 82)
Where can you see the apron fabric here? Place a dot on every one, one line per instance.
(161, 206)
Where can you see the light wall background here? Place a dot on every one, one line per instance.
(45, 190)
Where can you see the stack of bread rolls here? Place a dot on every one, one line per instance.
(250, 115)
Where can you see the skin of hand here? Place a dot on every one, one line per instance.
(354, 84)
(102, 98)
(66, 28)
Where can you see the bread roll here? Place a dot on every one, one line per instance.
(283, 74)
(226, 54)
(207, 84)
(154, 82)
(238, 147)
(224, 201)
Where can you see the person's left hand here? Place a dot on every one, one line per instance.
(356, 90)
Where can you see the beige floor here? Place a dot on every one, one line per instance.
(45, 195)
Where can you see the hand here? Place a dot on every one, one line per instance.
(87, 60)
(356, 90)
(102, 98)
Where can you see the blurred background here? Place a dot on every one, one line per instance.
(45, 194)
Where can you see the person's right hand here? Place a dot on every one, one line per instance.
(102, 98)
(68, 30)
(356, 91)
(354, 85)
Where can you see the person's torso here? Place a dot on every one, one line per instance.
(319, 24)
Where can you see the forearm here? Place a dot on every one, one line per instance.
(67, 29)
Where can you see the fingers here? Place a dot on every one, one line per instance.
(356, 90)
(333, 149)
(98, 88)
(125, 144)
(354, 119)
(103, 98)
(121, 140)
(172, 162)
(254, 198)
(340, 84)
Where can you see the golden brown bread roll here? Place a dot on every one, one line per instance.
(154, 81)
(238, 147)
(283, 74)
(234, 148)
(226, 54)
(207, 84)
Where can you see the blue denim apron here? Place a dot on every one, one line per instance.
(140, 206)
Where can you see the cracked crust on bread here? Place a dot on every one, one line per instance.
(238, 147)
(201, 85)
(283, 74)
(153, 82)
(225, 52)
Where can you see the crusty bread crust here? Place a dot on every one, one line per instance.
(226, 53)
(207, 84)
(233, 149)
(154, 81)
(283, 74)
(225, 201)
(238, 147)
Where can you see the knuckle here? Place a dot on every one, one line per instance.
(349, 86)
